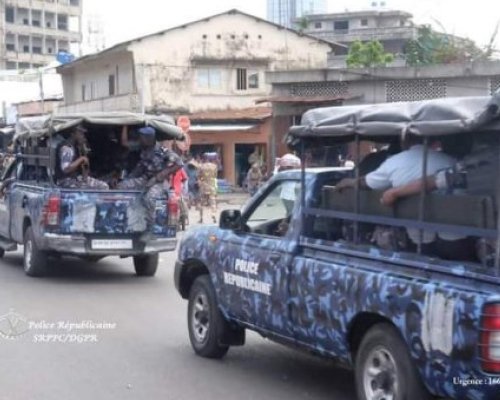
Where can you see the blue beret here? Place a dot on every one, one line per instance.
(147, 131)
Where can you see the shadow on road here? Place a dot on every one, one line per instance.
(271, 364)
(73, 270)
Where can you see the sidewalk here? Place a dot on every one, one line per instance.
(234, 199)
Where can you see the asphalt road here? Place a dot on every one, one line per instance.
(144, 352)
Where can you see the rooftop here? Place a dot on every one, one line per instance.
(361, 14)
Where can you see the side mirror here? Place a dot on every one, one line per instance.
(231, 220)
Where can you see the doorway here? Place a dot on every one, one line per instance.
(244, 155)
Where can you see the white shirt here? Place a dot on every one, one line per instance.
(288, 191)
(406, 167)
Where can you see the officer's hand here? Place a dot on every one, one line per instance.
(84, 161)
(345, 184)
(389, 197)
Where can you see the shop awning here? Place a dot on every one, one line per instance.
(222, 127)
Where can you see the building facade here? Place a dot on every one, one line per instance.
(285, 12)
(217, 63)
(392, 28)
(295, 92)
(33, 32)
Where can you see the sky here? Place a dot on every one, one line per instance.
(124, 20)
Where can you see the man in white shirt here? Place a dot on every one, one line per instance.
(401, 169)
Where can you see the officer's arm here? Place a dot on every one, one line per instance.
(174, 163)
(67, 166)
(392, 195)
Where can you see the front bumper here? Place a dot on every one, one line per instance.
(81, 245)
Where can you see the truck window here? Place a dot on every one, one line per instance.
(272, 215)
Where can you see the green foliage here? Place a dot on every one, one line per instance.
(368, 54)
(432, 47)
(303, 24)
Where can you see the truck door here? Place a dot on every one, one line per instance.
(256, 268)
(8, 180)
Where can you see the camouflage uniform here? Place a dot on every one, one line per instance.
(207, 175)
(68, 155)
(153, 161)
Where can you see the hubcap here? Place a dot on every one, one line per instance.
(379, 377)
(200, 320)
(28, 254)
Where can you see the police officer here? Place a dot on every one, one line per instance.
(156, 164)
(207, 178)
(74, 163)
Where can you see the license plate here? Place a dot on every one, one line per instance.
(112, 244)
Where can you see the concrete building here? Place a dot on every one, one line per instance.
(32, 32)
(392, 28)
(295, 92)
(217, 63)
(285, 12)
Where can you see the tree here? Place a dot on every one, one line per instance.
(431, 47)
(303, 24)
(368, 54)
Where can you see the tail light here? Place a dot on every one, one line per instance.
(172, 208)
(490, 339)
(51, 211)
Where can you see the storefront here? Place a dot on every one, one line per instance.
(240, 137)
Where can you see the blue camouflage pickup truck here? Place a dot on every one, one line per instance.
(318, 277)
(89, 223)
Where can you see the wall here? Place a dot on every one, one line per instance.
(167, 65)
(94, 74)
(225, 42)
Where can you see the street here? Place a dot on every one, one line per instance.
(144, 353)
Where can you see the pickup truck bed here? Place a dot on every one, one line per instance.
(85, 223)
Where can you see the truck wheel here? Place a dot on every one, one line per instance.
(206, 323)
(35, 260)
(146, 265)
(384, 368)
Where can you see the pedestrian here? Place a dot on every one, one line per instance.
(73, 166)
(177, 183)
(155, 166)
(193, 184)
(207, 178)
(288, 193)
(254, 179)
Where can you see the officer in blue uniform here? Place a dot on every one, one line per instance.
(73, 164)
(155, 166)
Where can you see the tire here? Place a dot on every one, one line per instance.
(34, 260)
(2, 252)
(146, 265)
(396, 377)
(206, 324)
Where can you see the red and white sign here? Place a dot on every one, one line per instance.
(184, 123)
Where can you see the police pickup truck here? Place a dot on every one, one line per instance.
(87, 223)
(411, 325)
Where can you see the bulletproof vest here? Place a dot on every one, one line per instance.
(481, 170)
